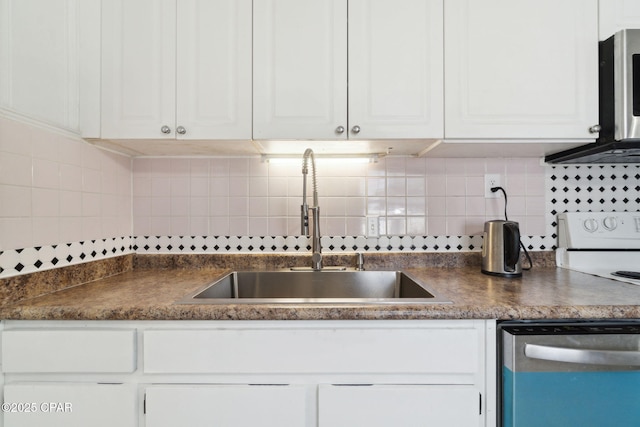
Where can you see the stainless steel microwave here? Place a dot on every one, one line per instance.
(620, 86)
(619, 93)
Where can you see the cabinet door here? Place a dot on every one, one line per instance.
(228, 406)
(524, 69)
(395, 69)
(616, 15)
(214, 69)
(39, 75)
(398, 405)
(70, 405)
(299, 69)
(138, 68)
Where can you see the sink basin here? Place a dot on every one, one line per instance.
(308, 287)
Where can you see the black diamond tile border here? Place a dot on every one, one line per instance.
(31, 260)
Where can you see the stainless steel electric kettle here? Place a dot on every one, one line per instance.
(501, 249)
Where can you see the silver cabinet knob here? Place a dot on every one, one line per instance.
(181, 130)
(595, 129)
(165, 129)
(340, 129)
(355, 129)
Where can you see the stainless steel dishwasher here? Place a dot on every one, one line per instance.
(568, 374)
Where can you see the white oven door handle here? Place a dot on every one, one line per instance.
(584, 356)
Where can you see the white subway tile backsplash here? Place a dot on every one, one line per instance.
(61, 189)
(436, 225)
(161, 186)
(356, 226)
(219, 167)
(64, 190)
(16, 232)
(396, 166)
(277, 206)
(456, 206)
(70, 177)
(475, 206)
(396, 186)
(355, 207)
(46, 173)
(46, 229)
(416, 226)
(416, 206)
(376, 187)
(16, 201)
(416, 186)
(15, 169)
(456, 226)
(199, 225)
(456, 186)
(92, 181)
(180, 186)
(396, 226)
(396, 206)
(436, 185)
(45, 202)
(376, 206)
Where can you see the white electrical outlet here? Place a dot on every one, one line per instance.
(491, 180)
(373, 229)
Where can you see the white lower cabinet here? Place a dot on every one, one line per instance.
(69, 405)
(227, 406)
(398, 405)
(238, 374)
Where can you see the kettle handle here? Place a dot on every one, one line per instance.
(511, 240)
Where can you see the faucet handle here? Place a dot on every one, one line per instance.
(359, 261)
(304, 220)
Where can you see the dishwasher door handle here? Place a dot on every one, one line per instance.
(584, 356)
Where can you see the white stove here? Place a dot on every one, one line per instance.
(600, 243)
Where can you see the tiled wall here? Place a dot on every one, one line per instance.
(410, 196)
(61, 199)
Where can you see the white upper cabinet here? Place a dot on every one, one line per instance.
(299, 69)
(138, 68)
(41, 58)
(395, 69)
(521, 69)
(176, 69)
(616, 15)
(214, 69)
(317, 77)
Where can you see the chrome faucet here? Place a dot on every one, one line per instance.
(316, 247)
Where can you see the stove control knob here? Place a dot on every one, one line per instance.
(591, 225)
(610, 223)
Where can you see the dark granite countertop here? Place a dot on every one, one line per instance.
(150, 291)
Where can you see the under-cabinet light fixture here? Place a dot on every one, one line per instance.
(323, 158)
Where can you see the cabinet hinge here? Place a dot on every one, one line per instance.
(480, 400)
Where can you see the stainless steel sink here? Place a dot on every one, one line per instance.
(309, 287)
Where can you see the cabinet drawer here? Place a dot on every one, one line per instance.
(300, 350)
(229, 405)
(399, 405)
(61, 351)
(69, 405)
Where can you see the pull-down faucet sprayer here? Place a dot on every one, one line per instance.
(316, 248)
